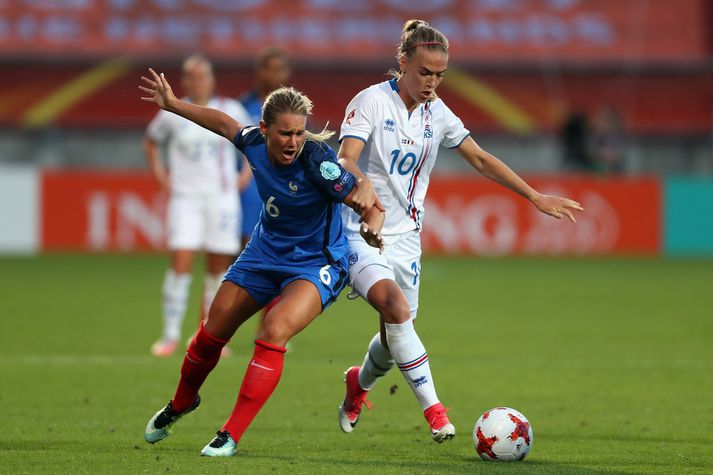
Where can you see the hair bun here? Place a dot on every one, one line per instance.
(411, 25)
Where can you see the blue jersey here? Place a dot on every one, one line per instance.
(252, 103)
(300, 220)
(249, 197)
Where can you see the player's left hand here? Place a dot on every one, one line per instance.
(159, 90)
(557, 206)
(372, 238)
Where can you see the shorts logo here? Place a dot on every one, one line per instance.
(329, 170)
(390, 125)
(353, 258)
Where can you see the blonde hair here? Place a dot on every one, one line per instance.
(290, 100)
(418, 33)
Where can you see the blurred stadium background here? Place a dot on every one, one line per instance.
(608, 101)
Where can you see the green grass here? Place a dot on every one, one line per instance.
(611, 360)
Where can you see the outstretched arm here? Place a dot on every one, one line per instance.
(490, 167)
(161, 94)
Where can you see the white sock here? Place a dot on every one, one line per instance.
(175, 300)
(211, 282)
(377, 362)
(412, 360)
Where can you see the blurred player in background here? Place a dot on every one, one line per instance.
(390, 138)
(298, 251)
(203, 207)
(272, 70)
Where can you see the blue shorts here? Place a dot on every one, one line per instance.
(264, 280)
(251, 205)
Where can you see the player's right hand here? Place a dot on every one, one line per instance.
(158, 89)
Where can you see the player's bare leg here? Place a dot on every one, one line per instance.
(299, 305)
(176, 286)
(231, 307)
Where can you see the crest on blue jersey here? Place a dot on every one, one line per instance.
(329, 170)
(293, 187)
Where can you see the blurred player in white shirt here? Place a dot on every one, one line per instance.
(390, 138)
(203, 208)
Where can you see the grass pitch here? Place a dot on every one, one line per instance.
(611, 361)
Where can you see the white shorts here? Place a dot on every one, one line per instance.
(400, 262)
(207, 223)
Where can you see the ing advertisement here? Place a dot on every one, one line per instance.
(87, 211)
(477, 216)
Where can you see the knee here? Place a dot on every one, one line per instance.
(394, 308)
(274, 331)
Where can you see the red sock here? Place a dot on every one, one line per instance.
(260, 380)
(201, 357)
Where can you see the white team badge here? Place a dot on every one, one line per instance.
(329, 170)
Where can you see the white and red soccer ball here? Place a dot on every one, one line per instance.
(502, 435)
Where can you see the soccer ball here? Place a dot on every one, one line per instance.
(502, 435)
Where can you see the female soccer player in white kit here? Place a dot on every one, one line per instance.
(203, 207)
(390, 137)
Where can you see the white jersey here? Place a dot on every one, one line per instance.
(400, 151)
(200, 162)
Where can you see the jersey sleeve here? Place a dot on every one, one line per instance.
(359, 117)
(159, 129)
(326, 174)
(456, 132)
(245, 137)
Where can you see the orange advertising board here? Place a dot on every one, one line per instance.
(477, 216)
(101, 211)
(365, 30)
(96, 211)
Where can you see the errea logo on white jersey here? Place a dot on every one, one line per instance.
(390, 125)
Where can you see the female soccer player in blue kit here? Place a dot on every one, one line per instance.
(298, 251)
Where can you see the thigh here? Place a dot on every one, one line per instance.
(185, 223)
(300, 303)
(405, 258)
(231, 307)
(221, 227)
